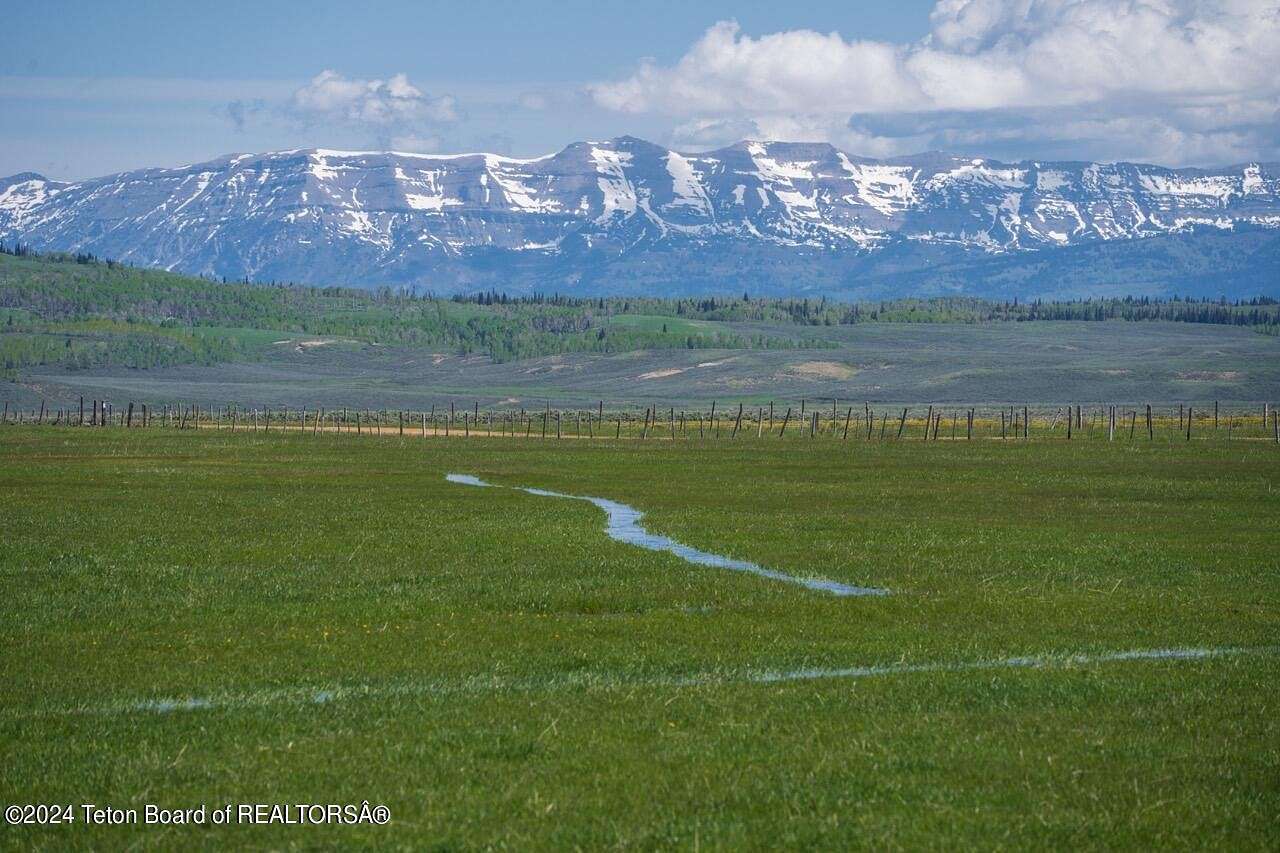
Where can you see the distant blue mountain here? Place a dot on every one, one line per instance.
(627, 216)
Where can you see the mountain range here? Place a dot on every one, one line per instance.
(628, 216)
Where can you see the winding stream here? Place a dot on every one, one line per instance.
(623, 525)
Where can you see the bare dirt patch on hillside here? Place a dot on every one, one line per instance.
(663, 373)
(1210, 376)
(821, 370)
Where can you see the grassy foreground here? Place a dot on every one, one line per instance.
(500, 674)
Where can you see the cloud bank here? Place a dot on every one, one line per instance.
(384, 103)
(390, 113)
(1170, 80)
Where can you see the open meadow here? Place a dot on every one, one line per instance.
(918, 364)
(1079, 645)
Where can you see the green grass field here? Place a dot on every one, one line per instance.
(654, 323)
(200, 617)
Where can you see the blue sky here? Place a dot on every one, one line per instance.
(92, 88)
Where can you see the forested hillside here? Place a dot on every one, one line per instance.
(80, 312)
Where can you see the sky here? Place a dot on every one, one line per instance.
(93, 88)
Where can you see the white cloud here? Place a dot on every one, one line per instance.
(416, 144)
(395, 102)
(534, 101)
(713, 132)
(1203, 73)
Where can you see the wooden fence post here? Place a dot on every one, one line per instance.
(783, 431)
(847, 417)
(902, 423)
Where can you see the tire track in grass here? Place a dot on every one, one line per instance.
(479, 685)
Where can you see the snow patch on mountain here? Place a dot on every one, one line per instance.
(887, 189)
(1218, 188)
(617, 193)
(686, 184)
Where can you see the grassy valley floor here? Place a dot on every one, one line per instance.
(205, 617)
(892, 364)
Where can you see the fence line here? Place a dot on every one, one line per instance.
(1069, 422)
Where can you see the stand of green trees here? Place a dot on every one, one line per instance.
(1260, 311)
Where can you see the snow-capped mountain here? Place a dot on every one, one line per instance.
(596, 216)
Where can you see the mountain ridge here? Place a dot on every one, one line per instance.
(790, 217)
(935, 153)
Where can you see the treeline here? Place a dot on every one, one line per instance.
(105, 287)
(1259, 311)
(79, 311)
